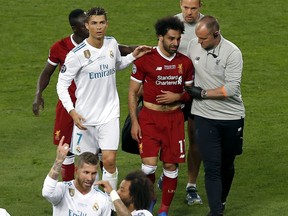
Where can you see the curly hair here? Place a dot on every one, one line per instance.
(171, 22)
(141, 189)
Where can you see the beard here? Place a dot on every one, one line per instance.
(171, 49)
(127, 202)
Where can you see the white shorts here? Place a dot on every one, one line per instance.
(105, 137)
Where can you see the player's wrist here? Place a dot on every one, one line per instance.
(114, 195)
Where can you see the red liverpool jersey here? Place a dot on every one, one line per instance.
(57, 55)
(158, 72)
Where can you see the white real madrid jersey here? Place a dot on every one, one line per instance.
(67, 200)
(93, 71)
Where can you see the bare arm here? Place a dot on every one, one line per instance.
(43, 82)
(78, 119)
(133, 104)
(218, 93)
(125, 50)
(120, 207)
(62, 152)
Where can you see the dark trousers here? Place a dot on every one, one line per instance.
(219, 142)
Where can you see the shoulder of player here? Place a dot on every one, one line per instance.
(183, 57)
(78, 48)
(62, 41)
(99, 192)
(110, 39)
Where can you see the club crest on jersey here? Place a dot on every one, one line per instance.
(180, 68)
(71, 192)
(57, 135)
(134, 69)
(63, 69)
(111, 54)
(78, 149)
(95, 207)
(87, 54)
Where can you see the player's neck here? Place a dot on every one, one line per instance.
(164, 52)
(131, 207)
(96, 42)
(77, 38)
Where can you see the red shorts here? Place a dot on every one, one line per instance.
(63, 125)
(164, 132)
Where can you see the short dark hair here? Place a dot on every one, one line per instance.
(88, 158)
(141, 189)
(96, 11)
(171, 22)
(74, 15)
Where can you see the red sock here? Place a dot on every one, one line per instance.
(67, 172)
(168, 190)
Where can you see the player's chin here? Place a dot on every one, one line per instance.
(173, 50)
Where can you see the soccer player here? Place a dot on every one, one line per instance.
(135, 193)
(57, 54)
(93, 65)
(190, 14)
(218, 108)
(79, 196)
(63, 122)
(160, 127)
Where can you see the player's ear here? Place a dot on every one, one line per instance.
(86, 25)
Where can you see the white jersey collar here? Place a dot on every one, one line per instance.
(164, 56)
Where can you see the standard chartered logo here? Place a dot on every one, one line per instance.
(169, 80)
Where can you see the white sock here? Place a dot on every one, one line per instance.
(112, 178)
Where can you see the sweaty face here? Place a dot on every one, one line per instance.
(124, 193)
(85, 177)
(97, 26)
(170, 42)
(205, 38)
(190, 10)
